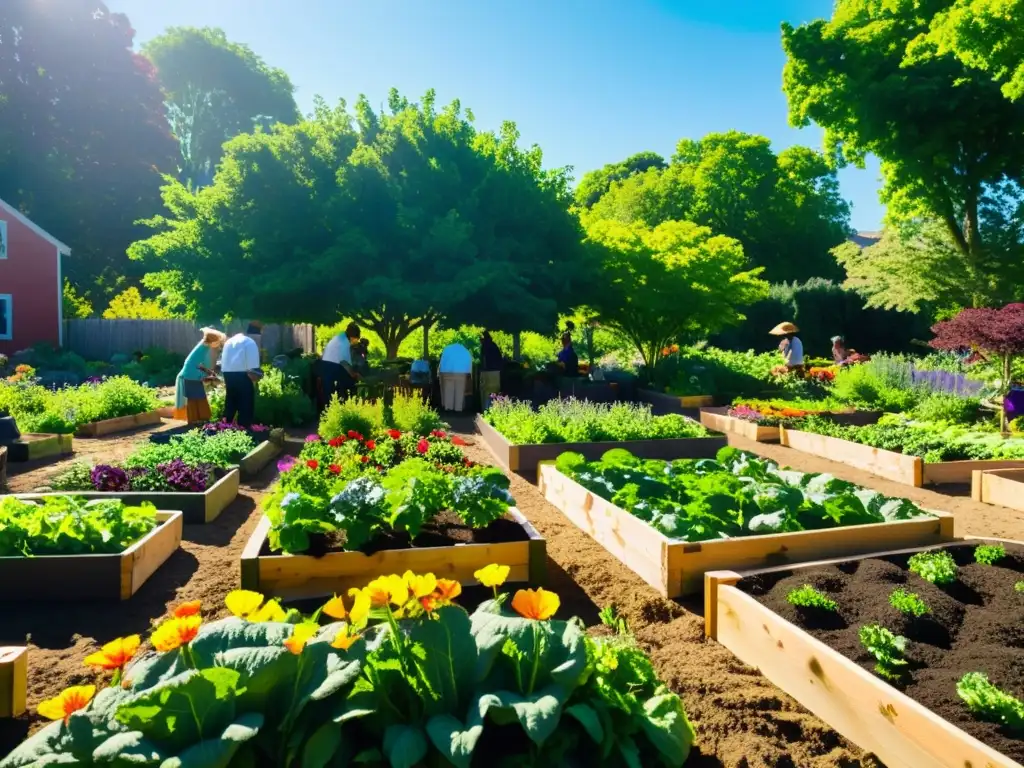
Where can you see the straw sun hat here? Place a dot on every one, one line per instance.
(213, 336)
(783, 328)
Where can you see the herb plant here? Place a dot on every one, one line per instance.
(64, 525)
(809, 597)
(936, 567)
(908, 603)
(988, 702)
(887, 648)
(38, 409)
(989, 554)
(1019, 587)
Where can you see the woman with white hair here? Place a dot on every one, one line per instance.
(190, 403)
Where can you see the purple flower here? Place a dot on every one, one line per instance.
(104, 477)
(312, 438)
(746, 413)
(259, 428)
(285, 464)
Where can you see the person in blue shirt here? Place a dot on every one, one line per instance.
(567, 357)
(190, 402)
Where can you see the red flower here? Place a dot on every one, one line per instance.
(355, 435)
(394, 434)
(456, 440)
(370, 445)
(439, 433)
(423, 446)
(364, 459)
(312, 463)
(336, 442)
(335, 469)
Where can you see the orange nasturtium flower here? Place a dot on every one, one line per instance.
(68, 702)
(448, 590)
(420, 586)
(175, 633)
(345, 639)
(492, 575)
(190, 608)
(335, 608)
(538, 604)
(300, 636)
(115, 654)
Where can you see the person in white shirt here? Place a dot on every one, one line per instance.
(791, 347)
(454, 370)
(337, 373)
(240, 364)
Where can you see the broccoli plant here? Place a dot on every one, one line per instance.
(936, 567)
(808, 597)
(887, 648)
(988, 702)
(908, 603)
(989, 554)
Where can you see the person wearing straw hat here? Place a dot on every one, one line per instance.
(839, 351)
(791, 347)
(190, 403)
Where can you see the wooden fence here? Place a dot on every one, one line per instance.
(102, 339)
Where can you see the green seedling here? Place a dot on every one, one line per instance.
(908, 603)
(936, 567)
(809, 597)
(989, 554)
(989, 702)
(887, 648)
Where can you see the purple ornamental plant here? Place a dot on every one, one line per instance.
(183, 477)
(105, 477)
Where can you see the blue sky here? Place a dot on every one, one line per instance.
(590, 81)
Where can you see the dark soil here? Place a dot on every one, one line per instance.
(976, 624)
(443, 530)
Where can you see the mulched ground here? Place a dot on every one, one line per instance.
(741, 719)
(976, 624)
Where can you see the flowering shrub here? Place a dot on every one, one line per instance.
(765, 414)
(408, 413)
(395, 669)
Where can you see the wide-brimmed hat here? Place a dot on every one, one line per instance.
(783, 328)
(212, 335)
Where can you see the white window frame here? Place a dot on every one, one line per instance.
(6, 297)
(4, 243)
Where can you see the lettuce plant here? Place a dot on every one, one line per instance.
(936, 567)
(989, 702)
(908, 603)
(989, 554)
(64, 525)
(809, 597)
(887, 648)
(397, 676)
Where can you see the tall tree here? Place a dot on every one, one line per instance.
(595, 183)
(677, 280)
(951, 146)
(215, 90)
(83, 131)
(396, 219)
(784, 208)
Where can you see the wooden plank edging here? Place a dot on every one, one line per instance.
(1002, 487)
(253, 462)
(119, 424)
(719, 420)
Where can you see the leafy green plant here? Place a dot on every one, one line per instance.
(609, 616)
(908, 603)
(737, 494)
(195, 448)
(989, 554)
(37, 409)
(78, 477)
(887, 648)
(64, 525)
(989, 702)
(407, 413)
(809, 597)
(1019, 586)
(936, 567)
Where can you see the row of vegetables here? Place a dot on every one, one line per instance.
(371, 677)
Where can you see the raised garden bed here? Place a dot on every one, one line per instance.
(663, 402)
(120, 424)
(525, 458)
(514, 542)
(719, 420)
(909, 470)
(265, 450)
(32, 447)
(1003, 487)
(816, 656)
(91, 577)
(677, 568)
(196, 508)
(13, 680)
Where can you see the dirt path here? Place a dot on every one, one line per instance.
(742, 720)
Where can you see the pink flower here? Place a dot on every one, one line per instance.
(423, 446)
(312, 438)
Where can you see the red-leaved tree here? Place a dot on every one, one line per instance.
(993, 332)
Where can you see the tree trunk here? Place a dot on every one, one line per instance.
(426, 341)
(516, 341)
(1004, 388)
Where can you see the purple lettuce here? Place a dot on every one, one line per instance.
(105, 477)
(182, 477)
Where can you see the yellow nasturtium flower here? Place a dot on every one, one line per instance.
(420, 585)
(270, 611)
(300, 636)
(115, 654)
(335, 608)
(345, 639)
(493, 575)
(67, 703)
(387, 589)
(360, 612)
(242, 602)
(175, 633)
(538, 604)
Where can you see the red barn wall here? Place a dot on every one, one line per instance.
(30, 274)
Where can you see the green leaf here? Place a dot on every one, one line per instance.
(588, 718)
(666, 726)
(321, 746)
(450, 665)
(152, 668)
(404, 745)
(217, 752)
(124, 749)
(454, 739)
(233, 633)
(537, 713)
(630, 752)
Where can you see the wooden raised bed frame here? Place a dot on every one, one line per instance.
(669, 403)
(196, 508)
(253, 462)
(296, 577)
(33, 446)
(13, 680)
(525, 458)
(1003, 487)
(862, 707)
(677, 568)
(909, 470)
(91, 577)
(719, 420)
(120, 424)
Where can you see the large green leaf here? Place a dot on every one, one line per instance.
(404, 745)
(449, 666)
(184, 710)
(666, 726)
(151, 668)
(589, 719)
(127, 749)
(537, 713)
(454, 739)
(232, 633)
(217, 752)
(321, 747)
(266, 674)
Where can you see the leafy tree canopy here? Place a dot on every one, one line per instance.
(83, 131)
(950, 144)
(595, 183)
(784, 208)
(215, 89)
(130, 305)
(396, 219)
(671, 282)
